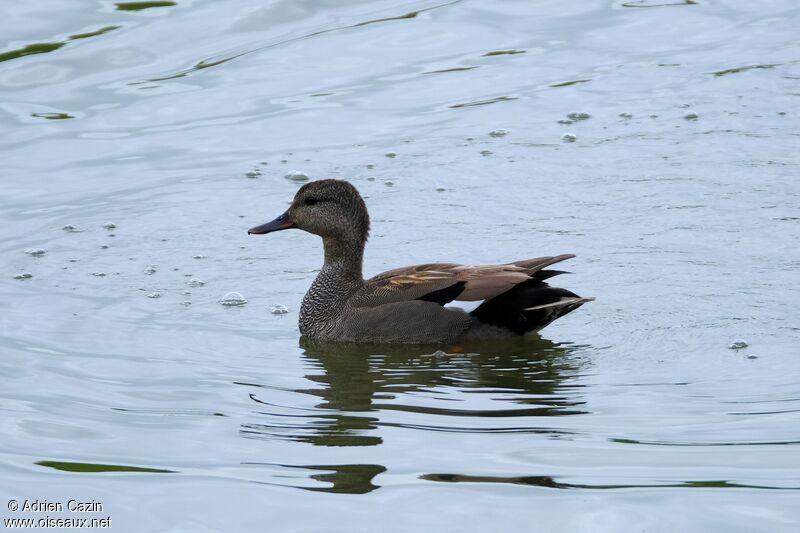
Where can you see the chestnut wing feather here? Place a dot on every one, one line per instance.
(444, 282)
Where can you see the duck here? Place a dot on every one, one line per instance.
(409, 305)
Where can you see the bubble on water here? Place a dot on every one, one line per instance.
(154, 295)
(569, 138)
(738, 344)
(499, 132)
(579, 115)
(390, 155)
(196, 282)
(150, 270)
(566, 121)
(99, 274)
(691, 115)
(279, 309)
(484, 153)
(233, 299)
(24, 275)
(109, 225)
(186, 303)
(751, 356)
(35, 251)
(198, 257)
(69, 228)
(252, 174)
(626, 115)
(296, 175)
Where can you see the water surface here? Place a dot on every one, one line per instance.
(156, 133)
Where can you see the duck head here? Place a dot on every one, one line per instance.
(332, 209)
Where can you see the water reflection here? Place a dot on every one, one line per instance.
(343, 479)
(362, 388)
(551, 483)
(522, 378)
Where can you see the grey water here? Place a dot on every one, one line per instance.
(656, 139)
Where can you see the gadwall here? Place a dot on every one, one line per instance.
(407, 305)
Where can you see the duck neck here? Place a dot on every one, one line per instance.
(339, 278)
(343, 260)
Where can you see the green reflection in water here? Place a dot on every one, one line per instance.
(43, 48)
(568, 83)
(52, 116)
(744, 69)
(503, 53)
(347, 479)
(138, 6)
(454, 69)
(343, 479)
(95, 33)
(667, 443)
(35, 48)
(200, 65)
(92, 467)
(410, 15)
(485, 102)
(647, 3)
(549, 482)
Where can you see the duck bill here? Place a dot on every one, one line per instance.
(280, 223)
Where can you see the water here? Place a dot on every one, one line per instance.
(163, 132)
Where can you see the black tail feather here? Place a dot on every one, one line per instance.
(513, 309)
(547, 274)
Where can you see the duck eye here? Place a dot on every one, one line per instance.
(311, 200)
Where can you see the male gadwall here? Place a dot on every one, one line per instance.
(407, 305)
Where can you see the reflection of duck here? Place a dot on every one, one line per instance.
(407, 305)
(365, 387)
(358, 381)
(362, 377)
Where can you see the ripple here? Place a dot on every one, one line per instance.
(551, 483)
(140, 6)
(95, 467)
(503, 53)
(737, 70)
(568, 83)
(488, 101)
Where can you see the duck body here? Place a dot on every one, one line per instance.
(408, 305)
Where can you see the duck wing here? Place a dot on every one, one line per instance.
(442, 283)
